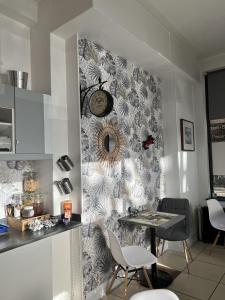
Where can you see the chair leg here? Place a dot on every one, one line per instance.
(186, 256)
(188, 249)
(214, 243)
(163, 244)
(158, 243)
(125, 284)
(147, 278)
(108, 291)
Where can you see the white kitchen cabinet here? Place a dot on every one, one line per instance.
(26, 272)
(29, 122)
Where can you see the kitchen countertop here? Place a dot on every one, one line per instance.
(15, 238)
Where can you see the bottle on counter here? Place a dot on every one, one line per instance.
(67, 207)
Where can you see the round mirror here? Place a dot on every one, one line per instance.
(110, 143)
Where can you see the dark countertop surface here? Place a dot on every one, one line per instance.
(15, 238)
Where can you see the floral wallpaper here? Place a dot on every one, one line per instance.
(135, 179)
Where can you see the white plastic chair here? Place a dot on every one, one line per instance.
(129, 259)
(216, 218)
(155, 295)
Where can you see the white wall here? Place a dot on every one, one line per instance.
(170, 159)
(132, 16)
(56, 121)
(14, 48)
(51, 15)
(74, 130)
(186, 173)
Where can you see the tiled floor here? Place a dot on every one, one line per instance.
(206, 280)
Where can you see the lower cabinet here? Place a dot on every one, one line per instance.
(26, 272)
(49, 269)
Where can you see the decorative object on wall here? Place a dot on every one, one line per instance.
(187, 135)
(16, 164)
(110, 144)
(100, 102)
(217, 129)
(133, 181)
(149, 141)
(11, 164)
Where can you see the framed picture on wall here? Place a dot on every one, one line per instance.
(187, 135)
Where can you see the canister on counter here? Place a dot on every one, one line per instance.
(38, 205)
(67, 207)
(30, 182)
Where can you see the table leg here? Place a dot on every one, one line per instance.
(159, 278)
(153, 250)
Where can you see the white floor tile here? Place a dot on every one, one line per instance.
(193, 286)
(219, 293)
(206, 270)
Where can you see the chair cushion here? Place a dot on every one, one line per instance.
(138, 257)
(180, 231)
(175, 233)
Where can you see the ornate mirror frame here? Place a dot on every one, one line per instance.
(105, 134)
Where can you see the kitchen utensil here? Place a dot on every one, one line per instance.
(18, 78)
(66, 186)
(59, 187)
(65, 163)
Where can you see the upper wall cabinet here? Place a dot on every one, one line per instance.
(6, 96)
(29, 122)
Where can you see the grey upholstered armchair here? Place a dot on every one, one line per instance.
(179, 232)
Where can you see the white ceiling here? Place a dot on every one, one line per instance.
(24, 11)
(200, 22)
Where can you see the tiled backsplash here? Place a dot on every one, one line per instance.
(11, 182)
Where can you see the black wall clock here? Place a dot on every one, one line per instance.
(101, 103)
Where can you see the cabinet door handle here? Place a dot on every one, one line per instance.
(17, 142)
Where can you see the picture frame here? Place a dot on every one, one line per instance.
(187, 135)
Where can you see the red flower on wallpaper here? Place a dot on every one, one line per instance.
(149, 141)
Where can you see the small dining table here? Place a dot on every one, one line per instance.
(154, 220)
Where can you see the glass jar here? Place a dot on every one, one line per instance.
(30, 182)
(28, 199)
(27, 212)
(38, 205)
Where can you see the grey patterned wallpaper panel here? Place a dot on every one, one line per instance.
(133, 181)
(11, 182)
